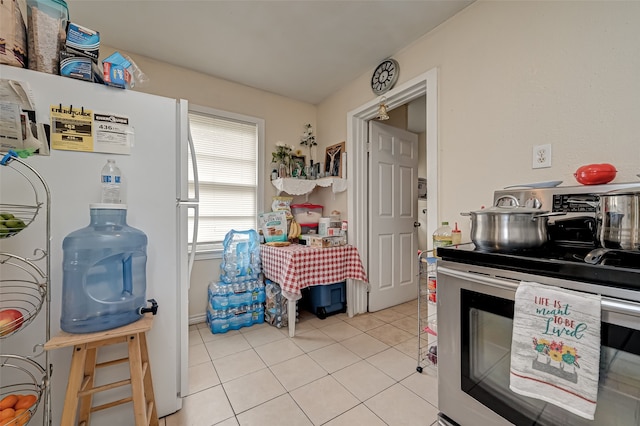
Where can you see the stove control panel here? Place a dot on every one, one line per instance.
(579, 200)
(575, 203)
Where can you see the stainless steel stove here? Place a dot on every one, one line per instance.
(476, 292)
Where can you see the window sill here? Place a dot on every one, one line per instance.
(208, 255)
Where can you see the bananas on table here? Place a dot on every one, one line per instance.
(295, 230)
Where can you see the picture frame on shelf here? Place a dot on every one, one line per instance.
(317, 167)
(333, 159)
(298, 163)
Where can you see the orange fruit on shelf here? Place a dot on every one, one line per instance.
(22, 417)
(25, 402)
(7, 413)
(8, 401)
(10, 421)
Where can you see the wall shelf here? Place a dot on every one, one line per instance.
(294, 186)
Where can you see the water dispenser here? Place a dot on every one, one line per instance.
(104, 273)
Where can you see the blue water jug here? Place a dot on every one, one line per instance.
(104, 272)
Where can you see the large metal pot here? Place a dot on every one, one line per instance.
(618, 217)
(509, 228)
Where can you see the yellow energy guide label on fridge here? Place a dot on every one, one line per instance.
(71, 128)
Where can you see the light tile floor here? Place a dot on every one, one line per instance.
(336, 371)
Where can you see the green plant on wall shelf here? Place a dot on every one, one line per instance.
(308, 139)
(282, 157)
(282, 153)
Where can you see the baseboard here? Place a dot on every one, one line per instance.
(197, 319)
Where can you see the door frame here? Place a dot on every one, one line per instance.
(357, 163)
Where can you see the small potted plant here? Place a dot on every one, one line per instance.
(308, 139)
(282, 158)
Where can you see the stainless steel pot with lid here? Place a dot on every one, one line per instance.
(509, 228)
(618, 217)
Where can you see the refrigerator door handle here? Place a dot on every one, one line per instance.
(194, 163)
(194, 245)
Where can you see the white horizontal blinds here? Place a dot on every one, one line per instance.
(227, 155)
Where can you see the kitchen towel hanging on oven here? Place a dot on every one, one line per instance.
(555, 351)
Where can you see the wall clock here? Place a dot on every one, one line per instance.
(385, 76)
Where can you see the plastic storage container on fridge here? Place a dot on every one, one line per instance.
(47, 28)
(104, 272)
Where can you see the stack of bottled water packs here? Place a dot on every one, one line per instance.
(237, 299)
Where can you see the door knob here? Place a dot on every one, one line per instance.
(416, 224)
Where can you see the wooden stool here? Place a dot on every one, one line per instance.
(80, 388)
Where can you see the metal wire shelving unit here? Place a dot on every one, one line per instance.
(24, 287)
(427, 315)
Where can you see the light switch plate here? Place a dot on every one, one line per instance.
(541, 156)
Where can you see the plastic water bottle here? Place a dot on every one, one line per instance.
(111, 179)
(240, 256)
(257, 313)
(218, 320)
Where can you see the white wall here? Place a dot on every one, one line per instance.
(517, 74)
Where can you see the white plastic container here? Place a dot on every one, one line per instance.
(306, 212)
(323, 226)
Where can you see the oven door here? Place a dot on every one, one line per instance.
(475, 317)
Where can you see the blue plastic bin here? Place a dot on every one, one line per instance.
(324, 300)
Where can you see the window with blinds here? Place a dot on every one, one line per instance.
(228, 148)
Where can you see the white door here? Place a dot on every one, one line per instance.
(393, 205)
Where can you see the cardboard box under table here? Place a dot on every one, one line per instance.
(298, 266)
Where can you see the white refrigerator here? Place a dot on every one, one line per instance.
(156, 191)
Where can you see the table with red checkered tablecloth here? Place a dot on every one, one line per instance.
(298, 266)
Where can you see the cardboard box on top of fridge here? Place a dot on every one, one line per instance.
(83, 41)
(325, 242)
(117, 71)
(80, 67)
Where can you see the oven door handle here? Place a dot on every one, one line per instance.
(620, 306)
(480, 279)
(608, 304)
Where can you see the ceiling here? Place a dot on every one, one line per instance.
(304, 50)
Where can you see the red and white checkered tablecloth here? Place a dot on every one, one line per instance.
(298, 266)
